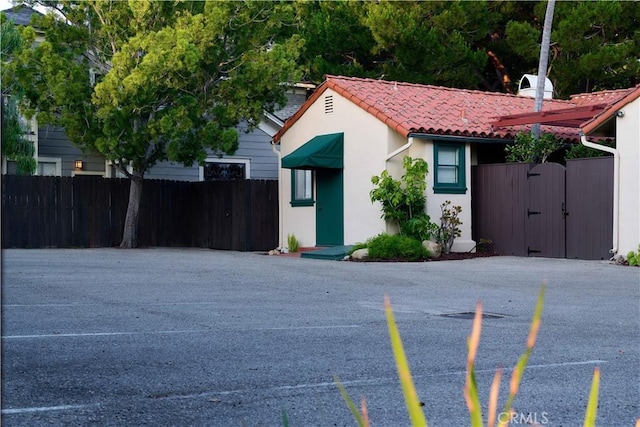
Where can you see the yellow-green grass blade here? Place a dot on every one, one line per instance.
(471, 387)
(494, 392)
(352, 406)
(592, 405)
(516, 375)
(408, 389)
(365, 412)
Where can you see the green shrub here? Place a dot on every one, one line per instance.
(396, 247)
(292, 243)
(403, 199)
(633, 258)
(449, 223)
(579, 151)
(527, 149)
(420, 228)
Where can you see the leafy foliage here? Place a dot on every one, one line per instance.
(15, 146)
(431, 42)
(579, 151)
(172, 79)
(292, 243)
(475, 45)
(633, 258)
(449, 223)
(420, 228)
(403, 201)
(395, 247)
(528, 149)
(336, 39)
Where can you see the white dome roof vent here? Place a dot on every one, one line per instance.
(529, 83)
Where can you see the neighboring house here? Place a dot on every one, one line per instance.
(254, 159)
(351, 129)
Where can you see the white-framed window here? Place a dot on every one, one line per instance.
(301, 187)
(216, 169)
(87, 173)
(49, 166)
(9, 167)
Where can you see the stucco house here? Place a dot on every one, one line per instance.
(351, 129)
(621, 119)
(254, 159)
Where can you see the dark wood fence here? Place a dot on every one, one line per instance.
(40, 212)
(545, 210)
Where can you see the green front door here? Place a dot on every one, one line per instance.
(329, 207)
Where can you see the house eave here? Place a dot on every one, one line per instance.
(456, 138)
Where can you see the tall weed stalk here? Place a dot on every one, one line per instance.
(414, 406)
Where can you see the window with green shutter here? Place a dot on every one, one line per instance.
(449, 175)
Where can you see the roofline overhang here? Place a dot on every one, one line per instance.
(456, 138)
(609, 113)
(563, 116)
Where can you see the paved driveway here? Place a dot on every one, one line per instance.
(209, 338)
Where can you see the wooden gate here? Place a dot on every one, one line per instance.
(545, 231)
(545, 210)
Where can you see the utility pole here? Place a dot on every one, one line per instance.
(542, 64)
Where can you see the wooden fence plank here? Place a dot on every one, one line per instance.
(90, 212)
(590, 208)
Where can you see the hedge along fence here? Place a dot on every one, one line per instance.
(85, 211)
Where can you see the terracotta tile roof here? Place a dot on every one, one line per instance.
(412, 108)
(618, 100)
(603, 97)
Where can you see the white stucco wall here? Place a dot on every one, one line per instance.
(365, 149)
(424, 148)
(367, 144)
(628, 144)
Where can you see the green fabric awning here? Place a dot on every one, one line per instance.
(322, 151)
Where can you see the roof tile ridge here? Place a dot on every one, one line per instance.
(442, 88)
(606, 91)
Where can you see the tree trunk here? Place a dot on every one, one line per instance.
(130, 233)
(542, 64)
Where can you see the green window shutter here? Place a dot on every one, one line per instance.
(449, 175)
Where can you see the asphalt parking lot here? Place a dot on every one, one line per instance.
(190, 337)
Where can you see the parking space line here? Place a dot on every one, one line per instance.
(194, 331)
(83, 304)
(100, 334)
(363, 382)
(45, 409)
(309, 327)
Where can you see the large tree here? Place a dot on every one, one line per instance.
(145, 81)
(15, 146)
(594, 45)
(337, 40)
(485, 45)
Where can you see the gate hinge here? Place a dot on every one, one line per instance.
(532, 251)
(529, 213)
(529, 174)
